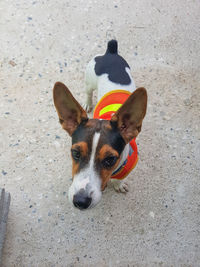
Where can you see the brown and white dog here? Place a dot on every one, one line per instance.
(100, 146)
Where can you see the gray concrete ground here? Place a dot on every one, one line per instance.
(158, 222)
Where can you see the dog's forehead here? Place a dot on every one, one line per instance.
(85, 131)
(109, 134)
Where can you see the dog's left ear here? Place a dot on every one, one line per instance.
(70, 112)
(130, 115)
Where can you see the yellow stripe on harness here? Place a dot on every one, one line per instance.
(112, 107)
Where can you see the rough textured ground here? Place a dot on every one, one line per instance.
(158, 222)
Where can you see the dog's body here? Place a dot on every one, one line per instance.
(101, 146)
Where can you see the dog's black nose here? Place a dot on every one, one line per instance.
(81, 200)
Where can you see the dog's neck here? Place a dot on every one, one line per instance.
(124, 156)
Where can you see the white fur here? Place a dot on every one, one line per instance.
(88, 178)
(105, 85)
(120, 185)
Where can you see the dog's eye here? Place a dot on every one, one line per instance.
(109, 161)
(76, 154)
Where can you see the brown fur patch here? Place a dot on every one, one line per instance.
(105, 174)
(82, 147)
(92, 123)
(107, 150)
(75, 168)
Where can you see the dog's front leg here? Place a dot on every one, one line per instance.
(89, 94)
(120, 186)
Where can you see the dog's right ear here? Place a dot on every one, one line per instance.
(70, 112)
(130, 115)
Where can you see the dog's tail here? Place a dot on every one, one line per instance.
(112, 47)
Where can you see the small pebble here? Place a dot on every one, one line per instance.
(62, 218)
(34, 211)
(166, 118)
(3, 172)
(151, 213)
(12, 63)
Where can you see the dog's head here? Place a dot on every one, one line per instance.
(97, 145)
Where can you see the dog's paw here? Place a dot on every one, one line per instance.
(87, 107)
(120, 186)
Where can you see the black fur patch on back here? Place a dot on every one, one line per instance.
(112, 64)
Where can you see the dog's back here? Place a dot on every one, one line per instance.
(109, 72)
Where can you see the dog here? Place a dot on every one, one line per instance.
(104, 147)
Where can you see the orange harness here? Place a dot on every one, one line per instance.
(104, 109)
